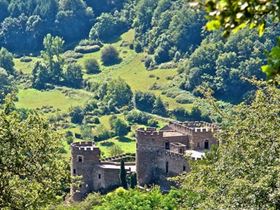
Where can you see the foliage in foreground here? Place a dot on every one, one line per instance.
(129, 200)
(32, 170)
(244, 171)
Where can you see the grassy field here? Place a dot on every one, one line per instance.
(32, 99)
(127, 144)
(25, 67)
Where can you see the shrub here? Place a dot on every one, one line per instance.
(92, 66)
(115, 150)
(137, 47)
(77, 115)
(119, 126)
(71, 56)
(152, 123)
(87, 49)
(89, 42)
(148, 62)
(136, 116)
(110, 55)
(25, 59)
(73, 76)
(101, 133)
(184, 98)
(144, 101)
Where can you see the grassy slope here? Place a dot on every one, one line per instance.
(131, 69)
(32, 99)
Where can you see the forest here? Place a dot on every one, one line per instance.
(91, 70)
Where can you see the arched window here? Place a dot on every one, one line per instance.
(80, 158)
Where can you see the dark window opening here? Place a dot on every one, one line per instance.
(181, 151)
(99, 176)
(74, 171)
(184, 168)
(167, 145)
(80, 159)
(166, 167)
(206, 144)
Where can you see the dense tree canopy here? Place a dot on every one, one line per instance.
(223, 65)
(5, 84)
(243, 172)
(32, 171)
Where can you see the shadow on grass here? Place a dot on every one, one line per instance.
(124, 139)
(112, 40)
(107, 144)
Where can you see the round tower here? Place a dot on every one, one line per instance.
(84, 157)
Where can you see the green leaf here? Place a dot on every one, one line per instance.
(261, 29)
(213, 25)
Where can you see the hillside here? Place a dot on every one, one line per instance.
(131, 69)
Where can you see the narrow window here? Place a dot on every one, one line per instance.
(166, 167)
(80, 158)
(167, 145)
(184, 168)
(74, 171)
(206, 144)
(181, 150)
(99, 176)
(198, 145)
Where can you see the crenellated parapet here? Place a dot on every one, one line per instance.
(194, 127)
(149, 132)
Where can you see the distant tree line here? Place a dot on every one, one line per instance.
(24, 24)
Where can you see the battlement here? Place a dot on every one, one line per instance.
(194, 127)
(84, 146)
(149, 132)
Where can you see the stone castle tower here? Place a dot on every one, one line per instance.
(85, 158)
(97, 175)
(161, 154)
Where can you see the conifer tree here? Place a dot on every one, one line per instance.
(123, 175)
(133, 181)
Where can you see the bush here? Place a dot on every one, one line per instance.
(136, 116)
(185, 98)
(87, 49)
(144, 101)
(101, 133)
(110, 55)
(152, 123)
(77, 115)
(148, 62)
(73, 76)
(89, 42)
(72, 55)
(119, 126)
(25, 59)
(91, 105)
(115, 150)
(92, 66)
(137, 47)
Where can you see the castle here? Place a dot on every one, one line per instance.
(159, 154)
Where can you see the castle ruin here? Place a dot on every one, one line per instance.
(159, 154)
